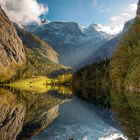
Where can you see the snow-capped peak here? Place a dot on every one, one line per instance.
(112, 29)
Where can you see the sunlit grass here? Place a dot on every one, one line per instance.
(33, 84)
(40, 84)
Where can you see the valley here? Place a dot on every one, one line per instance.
(62, 81)
(70, 40)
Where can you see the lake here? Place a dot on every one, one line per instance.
(61, 113)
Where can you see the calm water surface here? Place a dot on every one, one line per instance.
(61, 115)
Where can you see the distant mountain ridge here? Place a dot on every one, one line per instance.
(73, 43)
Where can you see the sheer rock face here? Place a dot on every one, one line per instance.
(12, 114)
(138, 11)
(12, 54)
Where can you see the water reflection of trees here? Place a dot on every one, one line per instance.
(99, 97)
(41, 108)
(119, 107)
(127, 107)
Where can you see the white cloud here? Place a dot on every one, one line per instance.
(23, 11)
(118, 21)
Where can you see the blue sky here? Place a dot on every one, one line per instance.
(110, 15)
(85, 12)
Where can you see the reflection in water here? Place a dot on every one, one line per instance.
(127, 108)
(78, 121)
(61, 116)
(41, 109)
(125, 105)
(12, 114)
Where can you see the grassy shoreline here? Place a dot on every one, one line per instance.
(41, 84)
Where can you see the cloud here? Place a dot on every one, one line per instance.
(23, 11)
(118, 21)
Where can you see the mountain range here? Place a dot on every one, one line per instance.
(72, 42)
(75, 45)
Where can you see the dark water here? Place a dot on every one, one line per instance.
(89, 114)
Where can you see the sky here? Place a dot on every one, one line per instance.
(110, 15)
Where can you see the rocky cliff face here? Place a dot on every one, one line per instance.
(12, 55)
(12, 114)
(138, 11)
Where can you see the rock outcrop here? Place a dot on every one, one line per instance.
(138, 10)
(12, 114)
(12, 55)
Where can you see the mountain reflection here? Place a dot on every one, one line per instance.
(12, 115)
(116, 107)
(24, 113)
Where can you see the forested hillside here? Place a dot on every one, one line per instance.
(94, 75)
(125, 63)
